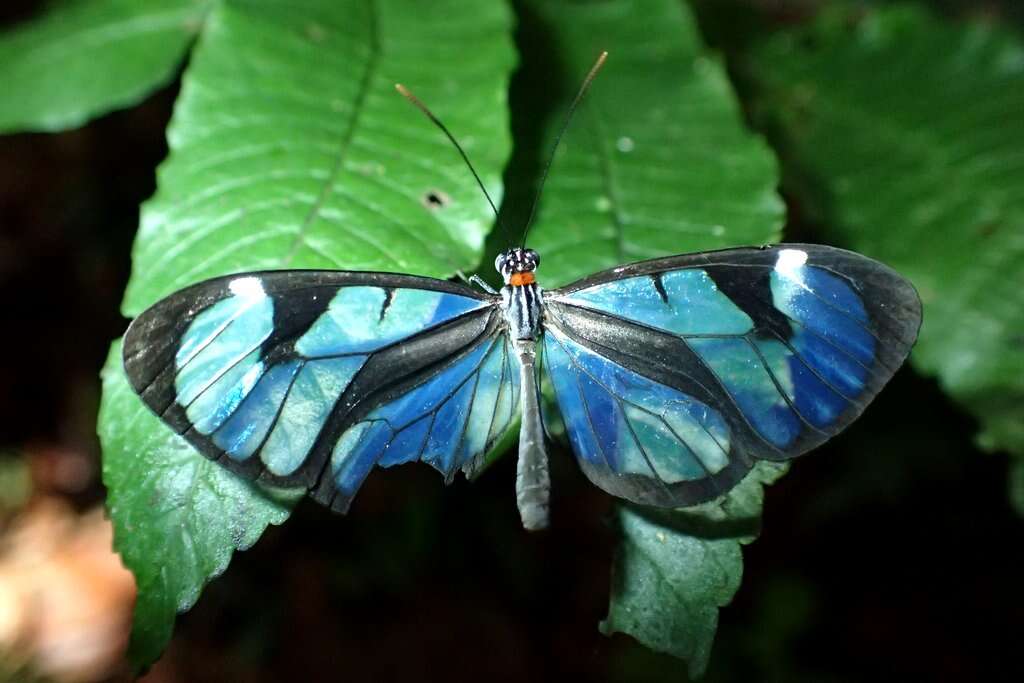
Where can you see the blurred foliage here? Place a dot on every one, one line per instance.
(84, 58)
(903, 135)
(1017, 485)
(15, 483)
(899, 138)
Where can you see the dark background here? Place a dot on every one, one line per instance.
(905, 570)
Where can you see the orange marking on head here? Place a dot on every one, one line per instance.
(520, 279)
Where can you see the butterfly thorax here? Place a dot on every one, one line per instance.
(521, 295)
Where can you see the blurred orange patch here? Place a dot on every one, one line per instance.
(65, 599)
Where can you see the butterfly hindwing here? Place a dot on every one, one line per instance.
(448, 418)
(761, 353)
(310, 378)
(637, 438)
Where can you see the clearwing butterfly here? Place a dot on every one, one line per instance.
(672, 376)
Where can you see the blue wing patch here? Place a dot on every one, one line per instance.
(782, 385)
(268, 373)
(448, 421)
(780, 347)
(248, 426)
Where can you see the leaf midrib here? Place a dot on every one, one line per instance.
(372, 63)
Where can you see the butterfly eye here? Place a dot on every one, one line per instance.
(499, 263)
(533, 257)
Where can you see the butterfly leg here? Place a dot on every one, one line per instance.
(533, 482)
(478, 281)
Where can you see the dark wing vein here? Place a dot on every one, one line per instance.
(778, 386)
(220, 330)
(277, 415)
(221, 374)
(732, 400)
(619, 403)
(811, 369)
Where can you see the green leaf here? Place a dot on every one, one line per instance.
(84, 58)
(905, 134)
(177, 516)
(290, 148)
(675, 568)
(656, 162)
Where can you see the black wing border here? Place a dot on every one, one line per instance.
(642, 489)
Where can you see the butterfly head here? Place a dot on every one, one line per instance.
(517, 265)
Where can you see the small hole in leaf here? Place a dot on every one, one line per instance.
(435, 199)
(989, 228)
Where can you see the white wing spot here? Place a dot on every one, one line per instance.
(247, 288)
(790, 262)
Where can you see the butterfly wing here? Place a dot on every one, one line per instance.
(310, 378)
(674, 375)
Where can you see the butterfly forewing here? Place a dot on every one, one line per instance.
(674, 375)
(310, 378)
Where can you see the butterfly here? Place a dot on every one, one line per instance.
(672, 377)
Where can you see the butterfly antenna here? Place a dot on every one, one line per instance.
(437, 122)
(565, 125)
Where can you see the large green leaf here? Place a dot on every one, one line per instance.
(657, 162)
(675, 568)
(906, 134)
(290, 148)
(86, 57)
